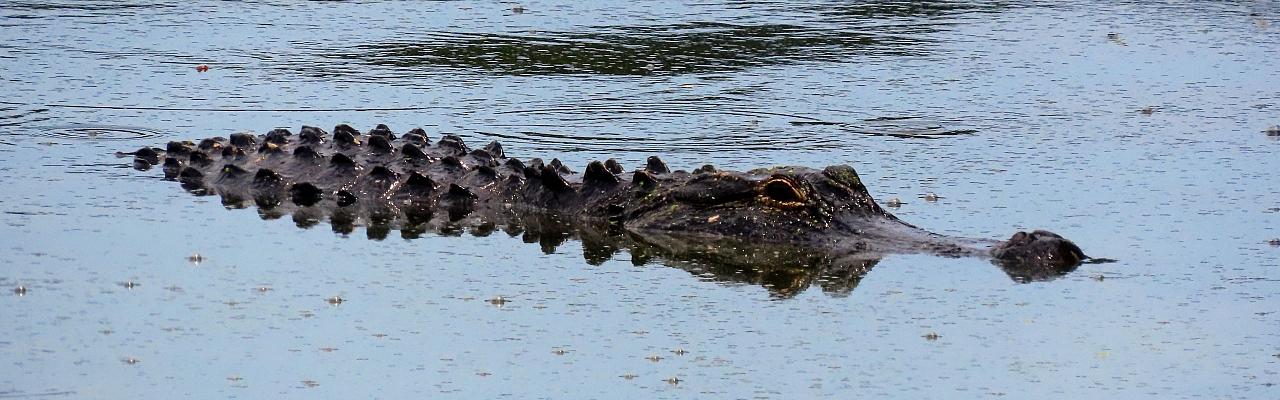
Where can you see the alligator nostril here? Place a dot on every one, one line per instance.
(1018, 237)
(1040, 233)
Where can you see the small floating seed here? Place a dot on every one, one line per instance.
(335, 300)
(932, 336)
(679, 351)
(628, 376)
(893, 202)
(673, 380)
(498, 301)
(20, 290)
(654, 358)
(195, 258)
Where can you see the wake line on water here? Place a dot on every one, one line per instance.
(931, 132)
(227, 109)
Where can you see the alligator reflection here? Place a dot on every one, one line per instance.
(783, 270)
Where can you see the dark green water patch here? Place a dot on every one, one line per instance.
(884, 9)
(674, 49)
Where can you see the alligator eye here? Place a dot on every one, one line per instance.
(780, 192)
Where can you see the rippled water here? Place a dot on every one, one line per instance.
(1134, 128)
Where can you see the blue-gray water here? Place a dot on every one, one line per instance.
(1184, 196)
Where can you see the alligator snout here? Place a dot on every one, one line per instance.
(1039, 248)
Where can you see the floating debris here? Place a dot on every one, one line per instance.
(932, 336)
(931, 197)
(518, 9)
(1115, 38)
(130, 360)
(195, 258)
(1273, 242)
(1148, 110)
(310, 383)
(628, 376)
(20, 290)
(335, 300)
(654, 358)
(202, 68)
(498, 301)
(559, 352)
(675, 380)
(1273, 130)
(893, 202)
(129, 284)
(679, 351)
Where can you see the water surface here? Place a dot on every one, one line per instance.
(1133, 128)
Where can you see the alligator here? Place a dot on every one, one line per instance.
(814, 221)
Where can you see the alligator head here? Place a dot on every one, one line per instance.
(776, 205)
(829, 208)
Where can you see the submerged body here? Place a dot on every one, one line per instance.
(387, 181)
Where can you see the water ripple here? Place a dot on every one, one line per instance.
(98, 132)
(15, 116)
